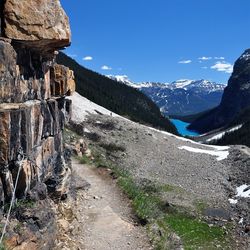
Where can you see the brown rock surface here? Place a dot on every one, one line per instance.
(43, 23)
(33, 112)
(32, 108)
(63, 80)
(4, 137)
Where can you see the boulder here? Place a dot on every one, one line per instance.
(42, 25)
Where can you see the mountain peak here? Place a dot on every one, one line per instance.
(125, 79)
(120, 78)
(235, 100)
(185, 84)
(181, 83)
(181, 97)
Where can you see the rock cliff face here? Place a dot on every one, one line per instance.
(33, 108)
(235, 99)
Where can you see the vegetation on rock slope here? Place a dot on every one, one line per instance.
(162, 220)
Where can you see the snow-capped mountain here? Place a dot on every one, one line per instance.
(182, 97)
(197, 85)
(121, 78)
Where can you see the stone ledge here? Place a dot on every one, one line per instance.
(43, 25)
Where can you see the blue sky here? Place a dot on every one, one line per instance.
(159, 40)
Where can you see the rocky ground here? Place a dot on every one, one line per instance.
(208, 178)
(97, 214)
(102, 215)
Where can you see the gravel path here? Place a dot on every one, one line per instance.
(104, 214)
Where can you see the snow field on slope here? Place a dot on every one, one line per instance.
(82, 107)
(220, 135)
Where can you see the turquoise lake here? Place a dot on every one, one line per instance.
(182, 128)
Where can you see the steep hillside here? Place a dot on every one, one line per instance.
(235, 99)
(189, 118)
(119, 98)
(240, 136)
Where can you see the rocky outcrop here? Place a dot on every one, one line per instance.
(236, 98)
(41, 24)
(33, 107)
(62, 80)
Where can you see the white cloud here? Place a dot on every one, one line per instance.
(87, 58)
(204, 58)
(223, 67)
(205, 67)
(105, 67)
(219, 58)
(185, 62)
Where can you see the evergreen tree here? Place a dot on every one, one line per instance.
(117, 97)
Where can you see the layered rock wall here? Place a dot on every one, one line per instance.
(33, 108)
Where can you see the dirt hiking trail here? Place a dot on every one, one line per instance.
(105, 214)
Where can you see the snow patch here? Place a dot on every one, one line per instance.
(86, 130)
(233, 201)
(243, 191)
(179, 84)
(120, 78)
(188, 140)
(220, 135)
(82, 107)
(220, 154)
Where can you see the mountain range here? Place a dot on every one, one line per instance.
(182, 97)
(185, 96)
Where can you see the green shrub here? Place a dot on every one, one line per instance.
(84, 160)
(2, 247)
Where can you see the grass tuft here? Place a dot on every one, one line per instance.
(84, 160)
(2, 247)
(195, 234)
